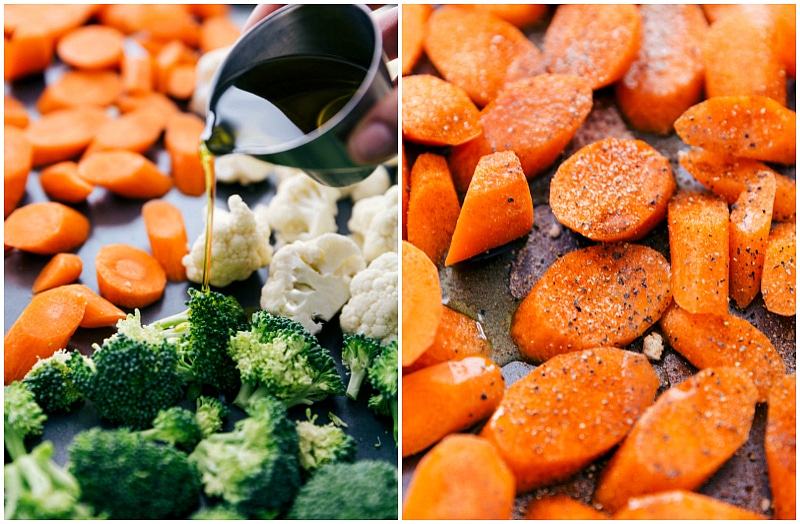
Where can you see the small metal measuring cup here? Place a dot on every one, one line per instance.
(340, 31)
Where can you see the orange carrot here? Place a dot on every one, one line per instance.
(536, 118)
(753, 127)
(99, 311)
(780, 444)
(167, 22)
(437, 113)
(45, 228)
(46, 325)
(684, 505)
(78, 88)
(478, 52)
(137, 73)
(129, 277)
(497, 208)
(54, 19)
(63, 268)
(433, 206)
(405, 191)
(217, 32)
(14, 112)
(786, 37)
(520, 15)
(29, 50)
(597, 42)
(154, 100)
(666, 77)
(166, 232)
(447, 398)
(125, 173)
(457, 336)
(61, 182)
(709, 341)
(568, 412)
(462, 477)
(699, 255)
(91, 47)
(603, 295)
(17, 163)
(413, 34)
(174, 54)
(135, 131)
(679, 442)
(64, 134)
(625, 197)
(182, 141)
(203, 11)
(181, 82)
(779, 279)
(422, 303)
(561, 507)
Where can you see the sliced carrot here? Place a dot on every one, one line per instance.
(754, 127)
(125, 173)
(181, 82)
(666, 77)
(561, 507)
(62, 269)
(54, 19)
(174, 54)
(699, 253)
(709, 341)
(78, 88)
(413, 34)
(17, 163)
(137, 73)
(786, 37)
(166, 232)
(154, 100)
(99, 311)
(46, 325)
(478, 52)
(135, 131)
(91, 47)
(14, 112)
(438, 113)
(597, 42)
(462, 477)
(457, 336)
(447, 398)
(568, 412)
(422, 303)
(679, 442)
(536, 118)
(29, 50)
(167, 22)
(405, 191)
(129, 277)
(625, 197)
(61, 182)
(217, 32)
(780, 444)
(45, 228)
(182, 141)
(203, 11)
(520, 15)
(497, 208)
(602, 295)
(433, 206)
(684, 505)
(64, 134)
(779, 279)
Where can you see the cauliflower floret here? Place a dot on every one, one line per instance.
(239, 246)
(372, 308)
(205, 69)
(310, 280)
(373, 224)
(302, 209)
(375, 184)
(241, 168)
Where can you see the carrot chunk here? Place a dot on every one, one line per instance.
(780, 445)
(135, 131)
(17, 163)
(457, 336)
(29, 50)
(779, 278)
(182, 140)
(137, 75)
(45, 228)
(125, 173)
(569, 411)
(438, 113)
(166, 232)
(64, 134)
(413, 34)
(63, 268)
(682, 439)
(91, 47)
(99, 311)
(14, 112)
(422, 303)
(61, 182)
(682, 504)
(561, 507)
(129, 277)
(520, 15)
(405, 191)
(217, 32)
(153, 100)
(80, 88)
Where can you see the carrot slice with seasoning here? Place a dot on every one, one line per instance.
(779, 279)
(437, 113)
(422, 303)
(45, 228)
(561, 507)
(458, 336)
(780, 445)
(63, 268)
(682, 504)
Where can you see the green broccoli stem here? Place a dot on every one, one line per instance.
(15, 444)
(354, 384)
(393, 408)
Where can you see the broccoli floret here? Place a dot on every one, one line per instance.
(210, 414)
(52, 381)
(382, 375)
(366, 489)
(176, 426)
(277, 356)
(253, 468)
(22, 418)
(35, 487)
(358, 351)
(126, 476)
(217, 512)
(323, 444)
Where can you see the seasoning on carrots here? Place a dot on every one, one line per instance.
(437, 113)
(779, 278)
(422, 303)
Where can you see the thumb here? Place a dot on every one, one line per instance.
(374, 140)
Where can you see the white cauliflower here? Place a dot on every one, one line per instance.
(309, 281)
(372, 308)
(375, 184)
(373, 224)
(241, 168)
(239, 246)
(302, 209)
(205, 69)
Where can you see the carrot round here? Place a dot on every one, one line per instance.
(679, 442)
(422, 303)
(413, 34)
(182, 141)
(405, 191)
(754, 127)
(457, 336)
(462, 477)
(46, 325)
(447, 398)
(91, 47)
(61, 182)
(181, 82)
(29, 50)
(497, 208)
(597, 42)
(15, 113)
(136, 71)
(520, 15)
(623, 197)
(569, 411)
(153, 100)
(437, 113)
(175, 53)
(135, 131)
(79, 88)
(99, 311)
(53, 20)
(62, 269)
(217, 32)
(166, 232)
(45, 228)
(433, 206)
(561, 507)
(17, 163)
(779, 278)
(125, 173)
(684, 505)
(64, 134)
(129, 277)
(780, 444)
(603, 295)
(699, 253)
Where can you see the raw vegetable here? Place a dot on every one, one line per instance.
(62, 182)
(77, 88)
(422, 303)
(135, 131)
(562, 507)
(779, 279)
(374, 223)
(302, 209)
(15, 113)
(91, 47)
(358, 352)
(22, 418)
(17, 163)
(125, 173)
(372, 307)
(63, 268)
(28, 51)
(217, 32)
(136, 70)
(322, 444)
(99, 312)
(63, 134)
(52, 382)
(182, 140)
(166, 232)
(176, 426)
(45, 228)
(457, 336)
(681, 504)
(129, 277)
(383, 377)
(780, 444)
(521, 15)
(413, 34)
(437, 113)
